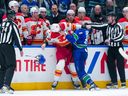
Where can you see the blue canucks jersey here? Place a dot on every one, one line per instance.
(79, 38)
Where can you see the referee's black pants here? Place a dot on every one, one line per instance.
(7, 64)
(115, 61)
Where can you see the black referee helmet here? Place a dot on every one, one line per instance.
(11, 14)
(113, 15)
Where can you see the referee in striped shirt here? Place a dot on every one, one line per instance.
(9, 35)
(114, 34)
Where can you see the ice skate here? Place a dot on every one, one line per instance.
(54, 85)
(7, 89)
(94, 87)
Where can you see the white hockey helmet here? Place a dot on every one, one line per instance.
(55, 27)
(34, 9)
(125, 9)
(13, 4)
(70, 12)
(81, 9)
(42, 9)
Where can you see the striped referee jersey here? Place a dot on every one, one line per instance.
(9, 34)
(114, 33)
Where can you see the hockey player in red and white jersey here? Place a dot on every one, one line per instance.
(43, 15)
(36, 27)
(82, 18)
(14, 5)
(70, 17)
(63, 51)
(124, 23)
(56, 34)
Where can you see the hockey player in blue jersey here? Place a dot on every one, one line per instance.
(80, 53)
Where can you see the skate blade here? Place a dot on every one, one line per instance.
(77, 88)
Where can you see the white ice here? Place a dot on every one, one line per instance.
(101, 92)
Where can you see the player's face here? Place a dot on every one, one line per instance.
(81, 15)
(70, 17)
(35, 14)
(111, 19)
(43, 13)
(15, 8)
(73, 7)
(24, 9)
(54, 9)
(97, 10)
(125, 14)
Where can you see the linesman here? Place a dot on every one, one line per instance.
(9, 35)
(115, 35)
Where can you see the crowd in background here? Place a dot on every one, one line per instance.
(55, 11)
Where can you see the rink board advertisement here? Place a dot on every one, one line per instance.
(29, 74)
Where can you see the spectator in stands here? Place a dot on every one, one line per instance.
(73, 7)
(124, 23)
(111, 6)
(30, 3)
(88, 4)
(55, 16)
(97, 16)
(121, 3)
(48, 5)
(25, 10)
(93, 3)
(98, 36)
(82, 3)
(43, 15)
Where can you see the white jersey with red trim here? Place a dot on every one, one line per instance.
(70, 27)
(56, 38)
(124, 23)
(47, 22)
(21, 25)
(85, 20)
(56, 33)
(36, 28)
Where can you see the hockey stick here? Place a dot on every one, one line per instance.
(122, 52)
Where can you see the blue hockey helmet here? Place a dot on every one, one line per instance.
(40, 59)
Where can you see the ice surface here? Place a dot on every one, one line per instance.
(101, 92)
